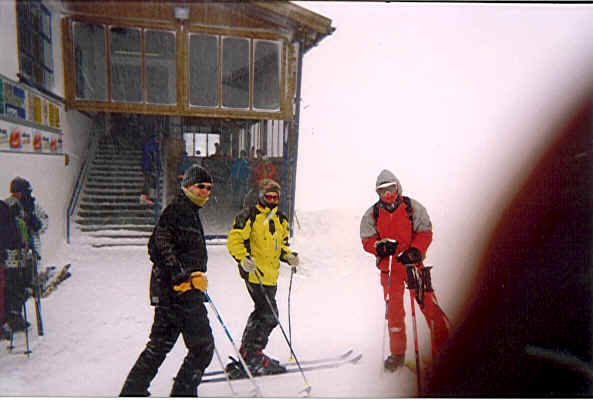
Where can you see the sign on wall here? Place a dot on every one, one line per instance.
(29, 121)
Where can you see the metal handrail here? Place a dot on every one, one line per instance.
(90, 154)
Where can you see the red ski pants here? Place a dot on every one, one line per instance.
(393, 290)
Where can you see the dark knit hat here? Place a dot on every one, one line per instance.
(20, 185)
(268, 185)
(195, 174)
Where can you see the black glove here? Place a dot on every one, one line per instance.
(410, 256)
(35, 223)
(386, 248)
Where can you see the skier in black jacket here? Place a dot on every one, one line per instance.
(177, 284)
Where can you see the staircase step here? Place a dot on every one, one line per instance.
(128, 199)
(108, 167)
(116, 213)
(110, 179)
(115, 205)
(97, 162)
(110, 192)
(112, 220)
(112, 227)
(113, 174)
(136, 187)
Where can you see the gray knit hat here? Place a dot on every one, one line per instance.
(195, 174)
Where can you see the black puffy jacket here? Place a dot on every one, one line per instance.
(176, 248)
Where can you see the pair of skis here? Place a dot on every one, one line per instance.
(349, 357)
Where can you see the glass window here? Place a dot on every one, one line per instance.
(205, 143)
(235, 72)
(35, 42)
(203, 70)
(266, 75)
(126, 65)
(90, 62)
(161, 67)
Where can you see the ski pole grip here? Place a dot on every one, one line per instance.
(412, 278)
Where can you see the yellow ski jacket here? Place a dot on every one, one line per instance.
(263, 234)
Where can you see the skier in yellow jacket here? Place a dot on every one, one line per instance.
(258, 242)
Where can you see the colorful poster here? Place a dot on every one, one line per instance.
(45, 140)
(4, 136)
(1, 97)
(36, 109)
(15, 101)
(44, 115)
(54, 115)
(26, 139)
(15, 139)
(37, 141)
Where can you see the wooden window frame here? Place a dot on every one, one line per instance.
(182, 108)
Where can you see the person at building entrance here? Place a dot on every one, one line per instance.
(397, 231)
(258, 242)
(150, 163)
(240, 172)
(177, 249)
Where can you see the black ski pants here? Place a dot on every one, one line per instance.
(262, 320)
(191, 321)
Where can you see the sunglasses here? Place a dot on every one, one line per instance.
(202, 186)
(271, 197)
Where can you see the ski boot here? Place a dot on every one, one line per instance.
(392, 363)
(261, 364)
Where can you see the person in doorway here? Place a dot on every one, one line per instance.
(240, 172)
(398, 231)
(177, 249)
(263, 169)
(258, 242)
(150, 159)
(182, 166)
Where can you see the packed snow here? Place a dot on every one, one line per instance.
(97, 322)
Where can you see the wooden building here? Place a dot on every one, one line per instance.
(201, 75)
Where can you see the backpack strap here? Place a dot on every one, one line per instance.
(407, 202)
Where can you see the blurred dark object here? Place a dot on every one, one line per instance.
(527, 328)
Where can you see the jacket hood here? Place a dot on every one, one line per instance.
(387, 176)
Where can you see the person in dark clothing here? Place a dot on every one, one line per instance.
(178, 252)
(27, 221)
(150, 157)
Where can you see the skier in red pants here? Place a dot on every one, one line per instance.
(397, 230)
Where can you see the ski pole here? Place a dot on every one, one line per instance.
(292, 271)
(226, 375)
(28, 351)
(385, 325)
(37, 293)
(307, 388)
(412, 286)
(228, 334)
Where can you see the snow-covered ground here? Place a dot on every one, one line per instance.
(97, 322)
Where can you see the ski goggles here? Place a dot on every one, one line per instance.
(387, 187)
(271, 197)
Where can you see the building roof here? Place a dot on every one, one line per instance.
(296, 22)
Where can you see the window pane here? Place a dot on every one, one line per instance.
(203, 70)
(266, 75)
(235, 72)
(126, 65)
(161, 67)
(90, 62)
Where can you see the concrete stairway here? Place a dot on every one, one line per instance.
(110, 213)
